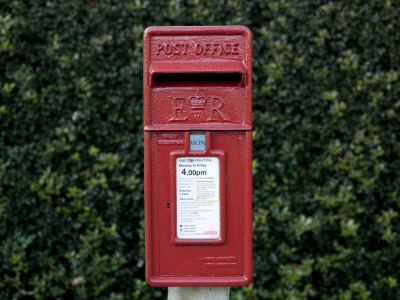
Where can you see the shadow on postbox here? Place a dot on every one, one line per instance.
(198, 164)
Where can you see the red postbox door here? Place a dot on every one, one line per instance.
(197, 133)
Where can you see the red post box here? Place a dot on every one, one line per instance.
(198, 164)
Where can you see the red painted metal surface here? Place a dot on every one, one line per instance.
(198, 79)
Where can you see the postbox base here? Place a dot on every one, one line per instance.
(199, 281)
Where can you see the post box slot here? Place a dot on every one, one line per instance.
(225, 73)
(186, 79)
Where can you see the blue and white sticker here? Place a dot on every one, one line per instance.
(197, 141)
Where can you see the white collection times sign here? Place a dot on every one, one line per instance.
(197, 197)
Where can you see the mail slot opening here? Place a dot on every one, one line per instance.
(199, 79)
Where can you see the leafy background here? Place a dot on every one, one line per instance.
(326, 146)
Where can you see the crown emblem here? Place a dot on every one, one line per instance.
(197, 102)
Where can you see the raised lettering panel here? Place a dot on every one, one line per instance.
(197, 106)
(197, 47)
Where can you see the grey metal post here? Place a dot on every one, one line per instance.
(198, 293)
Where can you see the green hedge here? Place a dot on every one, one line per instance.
(326, 146)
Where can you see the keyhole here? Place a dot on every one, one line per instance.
(168, 205)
